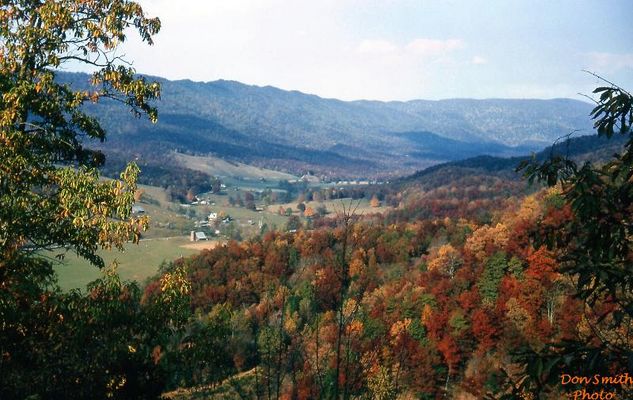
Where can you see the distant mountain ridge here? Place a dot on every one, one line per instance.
(293, 131)
(591, 148)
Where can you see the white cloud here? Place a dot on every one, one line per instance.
(433, 47)
(353, 49)
(479, 60)
(378, 46)
(339, 48)
(610, 62)
(420, 47)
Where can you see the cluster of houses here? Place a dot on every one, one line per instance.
(309, 178)
(344, 183)
(202, 202)
(212, 218)
(210, 221)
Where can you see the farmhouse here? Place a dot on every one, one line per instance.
(138, 210)
(309, 178)
(197, 236)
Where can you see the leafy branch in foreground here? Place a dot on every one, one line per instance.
(51, 195)
(595, 245)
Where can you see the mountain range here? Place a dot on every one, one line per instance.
(296, 132)
(592, 148)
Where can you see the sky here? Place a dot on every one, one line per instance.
(394, 50)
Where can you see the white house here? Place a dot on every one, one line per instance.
(138, 210)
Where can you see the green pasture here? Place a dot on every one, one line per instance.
(136, 263)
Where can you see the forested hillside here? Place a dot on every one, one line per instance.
(446, 297)
(593, 148)
(294, 132)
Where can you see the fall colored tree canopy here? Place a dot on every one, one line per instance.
(366, 308)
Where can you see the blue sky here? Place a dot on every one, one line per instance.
(394, 50)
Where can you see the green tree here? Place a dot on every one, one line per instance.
(43, 125)
(216, 185)
(293, 223)
(50, 192)
(490, 279)
(594, 246)
(202, 356)
(85, 346)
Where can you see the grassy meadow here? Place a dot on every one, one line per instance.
(166, 239)
(360, 206)
(136, 263)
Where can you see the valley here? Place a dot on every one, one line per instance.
(172, 221)
(294, 132)
(433, 215)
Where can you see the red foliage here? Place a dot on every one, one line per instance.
(468, 300)
(542, 265)
(484, 329)
(327, 286)
(450, 351)
(569, 318)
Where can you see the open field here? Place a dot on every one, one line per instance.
(236, 387)
(201, 245)
(242, 215)
(222, 168)
(332, 206)
(173, 219)
(137, 262)
(164, 218)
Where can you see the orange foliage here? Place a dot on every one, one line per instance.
(486, 240)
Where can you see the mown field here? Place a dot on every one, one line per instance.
(360, 207)
(136, 263)
(239, 386)
(219, 167)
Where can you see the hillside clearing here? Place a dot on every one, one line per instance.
(218, 167)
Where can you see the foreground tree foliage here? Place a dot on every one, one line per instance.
(93, 346)
(42, 126)
(594, 245)
(55, 345)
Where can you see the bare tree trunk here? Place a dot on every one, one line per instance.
(256, 367)
(281, 345)
(339, 337)
(347, 218)
(448, 376)
(269, 389)
(318, 367)
(346, 369)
